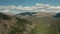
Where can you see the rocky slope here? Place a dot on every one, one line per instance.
(46, 23)
(14, 25)
(30, 23)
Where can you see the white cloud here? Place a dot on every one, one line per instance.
(37, 4)
(5, 11)
(38, 7)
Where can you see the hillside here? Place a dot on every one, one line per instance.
(46, 23)
(14, 25)
(30, 23)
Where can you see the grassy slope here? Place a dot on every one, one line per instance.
(19, 27)
(46, 26)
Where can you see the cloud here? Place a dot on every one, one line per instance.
(37, 8)
(7, 12)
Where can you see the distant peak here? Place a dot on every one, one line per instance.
(57, 15)
(27, 13)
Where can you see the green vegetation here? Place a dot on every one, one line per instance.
(19, 26)
(47, 26)
(44, 25)
(3, 16)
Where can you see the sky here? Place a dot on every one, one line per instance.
(28, 2)
(16, 6)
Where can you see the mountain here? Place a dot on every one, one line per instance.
(57, 15)
(3, 16)
(11, 25)
(30, 23)
(27, 13)
(36, 13)
(30, 15)
(45, 23)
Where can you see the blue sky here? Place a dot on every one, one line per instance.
(28, 2)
